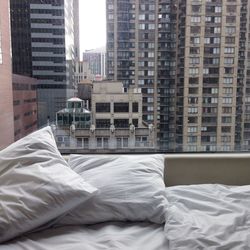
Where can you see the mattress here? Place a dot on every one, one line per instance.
(116, 235)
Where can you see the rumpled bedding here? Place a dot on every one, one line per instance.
(103, 236)
(208, 216)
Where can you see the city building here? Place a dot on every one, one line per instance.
(43, 48)
(96, 59)
(25, 105)
(6, 95)
(76, 132)
(190, 58)
(85, 88)
(141, 51)
(82, 72)
(112, 104)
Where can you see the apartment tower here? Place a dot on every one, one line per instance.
(190, 59)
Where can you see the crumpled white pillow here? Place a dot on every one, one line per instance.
(131, 188)
(36, 184)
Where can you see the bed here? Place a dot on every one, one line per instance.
(94, 202)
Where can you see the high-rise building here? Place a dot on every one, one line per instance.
(96, 59)
(43, 47)
(141, 40)
(190, 59)
(6, 96)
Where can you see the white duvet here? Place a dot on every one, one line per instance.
(104, 236)
(198, 217)
(208, 217)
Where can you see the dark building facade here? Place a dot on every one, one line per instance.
(43, 47)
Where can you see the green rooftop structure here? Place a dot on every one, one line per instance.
(75, 114)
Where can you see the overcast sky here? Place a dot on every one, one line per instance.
(92, 24)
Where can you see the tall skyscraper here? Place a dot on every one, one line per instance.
(191, 60)
(43, 47)
(6, 96)
(96, 58)
(141, 40)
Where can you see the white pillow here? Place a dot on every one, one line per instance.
(36, 184)
(131, 188)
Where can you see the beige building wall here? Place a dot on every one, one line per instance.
(6, 96)
(223, 95)
(113, 92)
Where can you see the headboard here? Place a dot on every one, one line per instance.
(228, 169)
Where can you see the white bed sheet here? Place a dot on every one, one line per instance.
(103, 236)
(208, 216)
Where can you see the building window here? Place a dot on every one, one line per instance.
(228, 60)
(195, 19)
(194, 60)
(192, 110)
(121, 123)
(121, 107)
(192, 129)
(135, 107)
(229, 50)
(103, 107)
(122, 142)
(195, 29)
(103, 123)
(226, 119)
(102, 142)
(83, 143)
(228, 80)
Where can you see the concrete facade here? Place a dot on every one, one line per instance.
(6, 95)
(114, 105)
(25, 105)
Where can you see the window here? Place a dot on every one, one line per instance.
(195, 29)
(193, 71)
(192, 110)
(103, 107)
(195, 40)
(192, 129)
(192, 139)
(231, 8)
(217, 9)
(135, 107)
(194, 60)
(230, 29)
(102, 142)
(122, 142)
(228, 80)
(228, 60)
(121, 107)
(226, 119)
(229, 50)
(121, 123)
(195, 19)
(230, 40)
(103, 123)
(227, 100)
